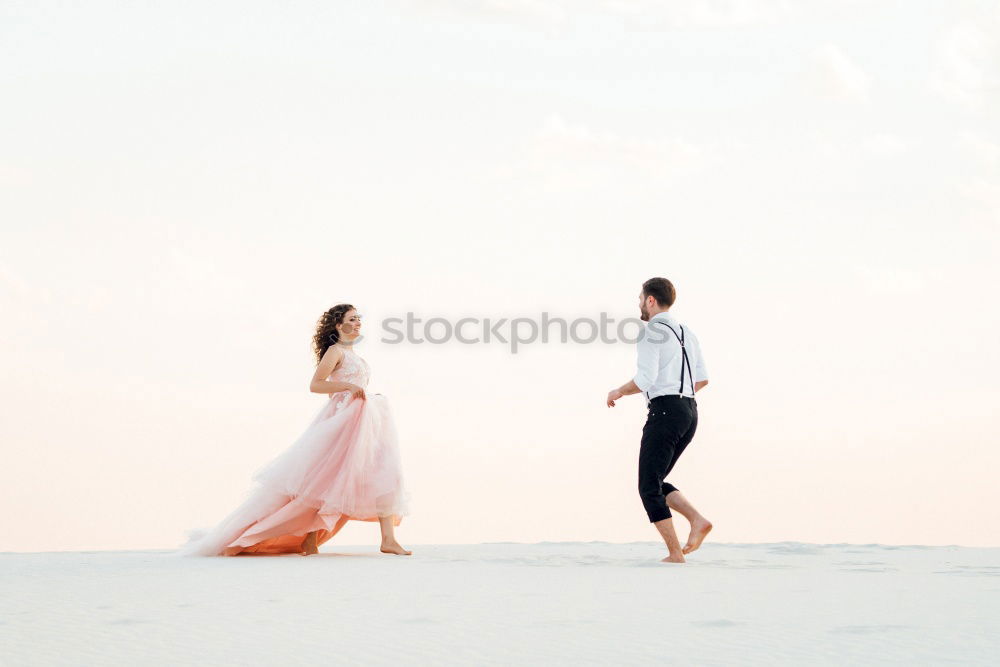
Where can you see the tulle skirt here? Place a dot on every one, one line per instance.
(345, 466)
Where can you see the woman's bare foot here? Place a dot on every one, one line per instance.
(394, 548)
(699, 529)
(309, 544)
(674, 558)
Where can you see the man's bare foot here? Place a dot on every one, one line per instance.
(309, 545)
(674, 558)
(394, 548)
(699, 529)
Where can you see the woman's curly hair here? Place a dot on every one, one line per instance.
(326, 328)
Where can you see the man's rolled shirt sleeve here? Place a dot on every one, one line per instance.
(647, 363)
(700, 371)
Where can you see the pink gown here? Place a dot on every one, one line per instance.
(346, 465)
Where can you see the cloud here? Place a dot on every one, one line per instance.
(696, 13)
(985, 195)
(884, 145)
(11, 176)
(16, 287)
(645, 14)
(19, 294)
(982, 149)
(889, 281)
(560, 138)
(983, 191)
(525, 12)
(565, 152)
(25, 306)
(833, 75)
(966, 66)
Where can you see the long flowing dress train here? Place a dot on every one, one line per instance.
(345, 466)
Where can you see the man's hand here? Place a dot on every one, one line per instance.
(613, 396)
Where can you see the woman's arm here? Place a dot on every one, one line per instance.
(320, 385)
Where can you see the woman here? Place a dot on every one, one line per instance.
(345, 465)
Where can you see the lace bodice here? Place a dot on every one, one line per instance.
(352, 369)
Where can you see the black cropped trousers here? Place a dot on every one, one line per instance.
(670, 426)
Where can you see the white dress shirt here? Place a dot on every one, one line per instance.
(660, 358)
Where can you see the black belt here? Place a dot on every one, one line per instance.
(671, 396)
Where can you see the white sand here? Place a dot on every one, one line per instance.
(593, 603)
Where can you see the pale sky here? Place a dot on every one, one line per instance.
(185, 187)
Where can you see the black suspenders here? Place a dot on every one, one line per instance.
(684, 357)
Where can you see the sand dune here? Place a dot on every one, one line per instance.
(549, 603)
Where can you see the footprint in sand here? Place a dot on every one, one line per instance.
(867, 629)
(717, 623)
(127, 621)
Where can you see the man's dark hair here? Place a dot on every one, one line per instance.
(660, 289)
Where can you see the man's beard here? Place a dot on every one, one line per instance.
(644, 314)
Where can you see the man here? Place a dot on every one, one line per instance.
(670, 371)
